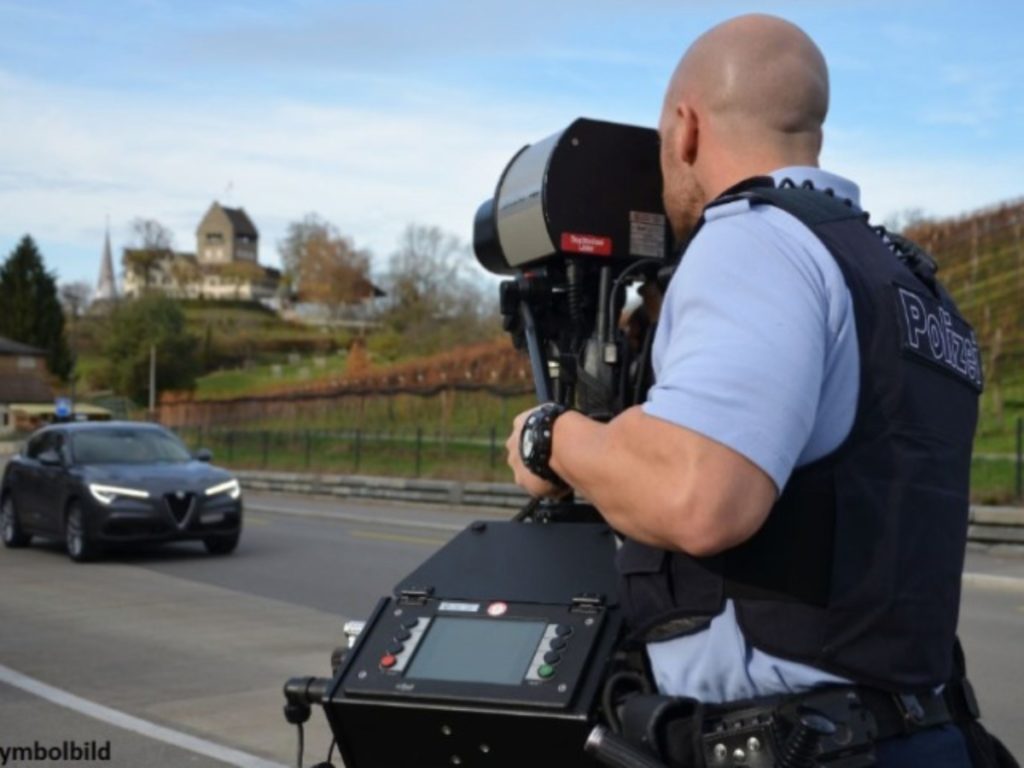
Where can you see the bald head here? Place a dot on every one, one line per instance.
(749, 97)
(759, 79)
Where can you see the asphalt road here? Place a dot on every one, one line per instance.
(199, 646)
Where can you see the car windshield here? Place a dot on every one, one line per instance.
(127, 446)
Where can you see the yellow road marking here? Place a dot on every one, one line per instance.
(257, 521)
(379, 536)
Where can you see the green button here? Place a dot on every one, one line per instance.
(545, 671)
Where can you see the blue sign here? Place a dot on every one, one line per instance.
(62, 407)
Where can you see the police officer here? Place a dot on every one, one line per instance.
(793, 494)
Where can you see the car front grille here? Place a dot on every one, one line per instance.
(180, 505)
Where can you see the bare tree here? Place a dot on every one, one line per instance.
(905, 219)
(433, 301)
(75, 297)
(152, 242)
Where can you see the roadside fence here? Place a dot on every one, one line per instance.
(475, 455)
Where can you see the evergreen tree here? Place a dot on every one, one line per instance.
(30, 310)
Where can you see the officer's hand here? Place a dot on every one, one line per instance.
(525, 479)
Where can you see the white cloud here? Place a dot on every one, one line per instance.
(893, 180)
(72, 156)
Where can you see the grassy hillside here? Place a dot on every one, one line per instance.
(981, 261)
(240, 332)
(243, 341)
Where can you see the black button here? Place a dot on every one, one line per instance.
(552, 657)
(557, 644)
(410, 623)
(402, 635)
(395, 648)
(563, 630)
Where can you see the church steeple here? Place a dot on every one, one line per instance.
(106, 287)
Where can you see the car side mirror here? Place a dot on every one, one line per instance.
(50, 458)
(204, 454)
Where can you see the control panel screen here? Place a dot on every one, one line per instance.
(477, 650)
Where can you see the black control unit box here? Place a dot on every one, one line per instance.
(467, 666)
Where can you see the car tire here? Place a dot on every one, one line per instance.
(10, 526)
(221, 545)
(81, 548)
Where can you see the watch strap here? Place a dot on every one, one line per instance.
(541, 424)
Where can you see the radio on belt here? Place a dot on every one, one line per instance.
(489, 654)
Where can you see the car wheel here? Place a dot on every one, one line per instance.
(10, 527)
(80, 547)
(221, 545)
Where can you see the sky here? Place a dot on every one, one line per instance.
(379, 114)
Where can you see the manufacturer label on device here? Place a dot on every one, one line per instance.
(647, 234)
(593, 244)
(460, 607)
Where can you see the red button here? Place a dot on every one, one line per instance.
(387, 661)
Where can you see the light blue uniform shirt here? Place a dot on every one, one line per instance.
(756, 348)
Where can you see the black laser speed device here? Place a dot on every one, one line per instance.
(497, 652)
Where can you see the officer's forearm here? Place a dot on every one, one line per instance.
(662, 484)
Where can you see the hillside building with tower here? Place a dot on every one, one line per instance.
(225, 264)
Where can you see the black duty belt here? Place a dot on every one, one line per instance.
(836, 727)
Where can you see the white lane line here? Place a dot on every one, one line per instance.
(991, 581)
(361, 519)
(134, 724)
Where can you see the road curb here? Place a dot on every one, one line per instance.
(993, 582)
(415, 490)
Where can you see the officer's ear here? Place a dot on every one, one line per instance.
(689, 122)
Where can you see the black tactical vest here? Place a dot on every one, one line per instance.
(857, 569)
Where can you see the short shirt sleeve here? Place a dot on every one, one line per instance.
(740, 353)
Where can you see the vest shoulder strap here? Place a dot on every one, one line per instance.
(812, 207)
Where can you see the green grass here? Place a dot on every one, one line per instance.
(993, 481)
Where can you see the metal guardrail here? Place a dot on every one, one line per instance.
(988, 525)
(443, 492)
(996, 525)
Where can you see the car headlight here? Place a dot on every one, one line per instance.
(230, 487)
(105, 494)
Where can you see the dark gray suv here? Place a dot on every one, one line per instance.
(98, 483)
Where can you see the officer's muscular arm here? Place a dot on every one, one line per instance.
(663, 484)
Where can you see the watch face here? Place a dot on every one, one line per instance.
(526, 446)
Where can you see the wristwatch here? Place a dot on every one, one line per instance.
(535, 441)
